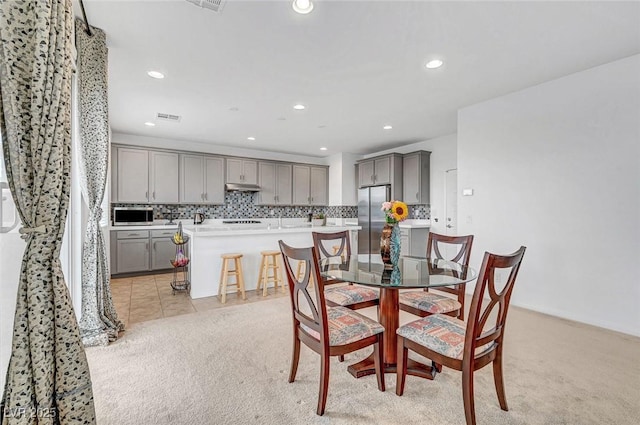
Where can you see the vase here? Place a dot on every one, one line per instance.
(390, 245)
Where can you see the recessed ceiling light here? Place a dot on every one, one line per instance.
(302, 6)
(251, 138)
(156, 74)
(298, 107)
(435, 63)
(387, 127)
(323, 148)
(149, 124)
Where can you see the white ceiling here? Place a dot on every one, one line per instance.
(357, 65)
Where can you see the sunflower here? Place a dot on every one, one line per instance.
(399, 210)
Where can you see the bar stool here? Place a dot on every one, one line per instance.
(225, 274)
(300, 273)
(269, 262)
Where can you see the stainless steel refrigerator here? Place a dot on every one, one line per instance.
(371, 219)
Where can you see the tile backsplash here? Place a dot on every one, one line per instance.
(242, 205)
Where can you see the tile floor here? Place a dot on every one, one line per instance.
(141, 298)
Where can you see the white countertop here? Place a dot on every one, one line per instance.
(416, 224)
(215, 226)
(260, 229)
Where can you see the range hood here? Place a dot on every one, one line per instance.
(241, 187)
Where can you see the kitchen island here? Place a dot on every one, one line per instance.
(208, 242)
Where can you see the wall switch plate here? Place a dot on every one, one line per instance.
(467, 192)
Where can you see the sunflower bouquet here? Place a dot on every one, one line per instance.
(395, 211)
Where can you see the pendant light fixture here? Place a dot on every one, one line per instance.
(302, 6)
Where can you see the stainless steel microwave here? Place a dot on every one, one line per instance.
(132, 216)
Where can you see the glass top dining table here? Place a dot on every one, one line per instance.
(409, 273)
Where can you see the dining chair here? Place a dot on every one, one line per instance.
(424, 303)
(468, 346)
(355, 297)
(329, 331)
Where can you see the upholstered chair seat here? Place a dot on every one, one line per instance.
(346, 326)
(350, 295)
(430, 302)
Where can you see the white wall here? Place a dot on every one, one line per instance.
(443, 157)
(342, 183)
(556, 167)
(156, 142)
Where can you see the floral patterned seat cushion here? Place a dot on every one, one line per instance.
(349, 294)
(429, 302)
(347, 326)
(440, 333)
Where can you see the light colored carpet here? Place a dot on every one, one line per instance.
(230, 366)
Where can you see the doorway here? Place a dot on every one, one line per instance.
(451, 201)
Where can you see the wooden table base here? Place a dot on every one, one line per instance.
(366, 367)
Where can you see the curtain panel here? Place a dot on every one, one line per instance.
(48, 379)
(99, 322)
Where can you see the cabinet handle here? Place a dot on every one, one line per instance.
(133, 234)
(206, 196)
(417, 196)
(202, 196)
(154, 246)
(146, 246)
(154, 195)
(146, 195)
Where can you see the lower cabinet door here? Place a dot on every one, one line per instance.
(133, 255)
(163, 250)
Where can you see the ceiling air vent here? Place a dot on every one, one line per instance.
(169, 117)
(215, 5)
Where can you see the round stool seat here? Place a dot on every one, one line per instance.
(265, 253)
(231, 256)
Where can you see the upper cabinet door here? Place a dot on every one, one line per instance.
(234, 170)
(191, 179)
(411, 179)
(283, 184)
(267, 182)
(382, 170)
(301, 178)
(416, 177)
(242, 171)
(249, 171)
(366, 174)
(214, 180)
(164, 177)
(318, 186)
(133, 175)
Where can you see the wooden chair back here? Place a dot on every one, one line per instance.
(308, 307)
(436, 245)
(335, 244)
(482, 309)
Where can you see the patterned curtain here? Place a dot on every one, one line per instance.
(99, 323)
(48, 378)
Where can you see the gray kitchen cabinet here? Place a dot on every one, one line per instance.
(318, 186)
(275, 182)
(380, 170)
(202, 179)
(132, 255)
(132, 170)
(310, 185)
(242, 171)
(191, 179)
(134, 251)
(163, 180)
(213, 180)
(413, 241)
(416, 177)
(163, 250)
(386, 169)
